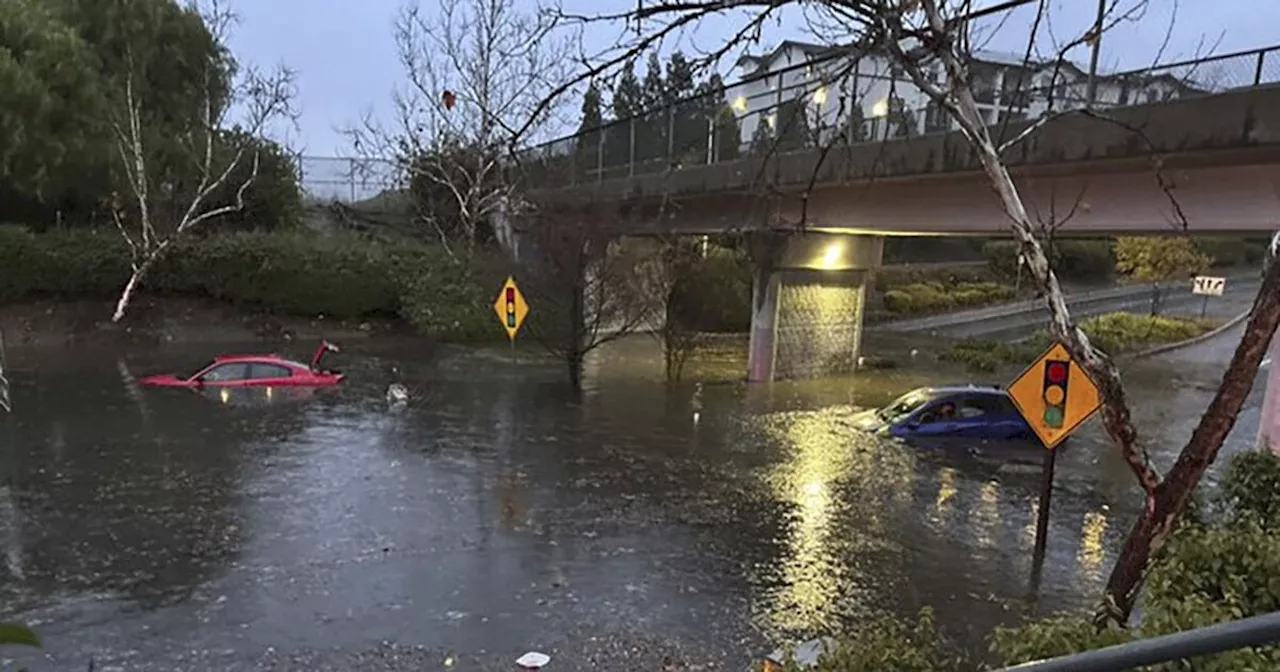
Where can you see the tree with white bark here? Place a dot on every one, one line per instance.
(497, 63)
(932, 41)
(173, 182)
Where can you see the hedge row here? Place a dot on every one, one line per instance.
(342, 277)
(1075, 259)
(1113, 333)
(1095, 258)
(932, 297)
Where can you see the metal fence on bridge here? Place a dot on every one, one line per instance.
(345, 179)
(825, 105)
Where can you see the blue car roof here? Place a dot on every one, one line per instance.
(939, 390)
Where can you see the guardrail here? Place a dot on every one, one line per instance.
(1246, 632)
(839, 99)
(1259, 630)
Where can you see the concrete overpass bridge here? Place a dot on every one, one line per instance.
(818, 215)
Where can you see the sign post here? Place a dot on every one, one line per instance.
(1055, 395)
(1206, 286)
(512, 310)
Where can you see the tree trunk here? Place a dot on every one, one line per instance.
(578, 336)
(126, 296)
(1155, 524)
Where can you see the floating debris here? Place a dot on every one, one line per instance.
(533, 660)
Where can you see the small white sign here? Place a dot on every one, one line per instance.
(1206, 286)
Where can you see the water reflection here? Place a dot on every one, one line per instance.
(1090, 557)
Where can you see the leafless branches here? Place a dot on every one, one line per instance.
(585, 282)
(159, 212)
(500, 64)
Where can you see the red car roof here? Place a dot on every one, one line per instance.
(231, 358)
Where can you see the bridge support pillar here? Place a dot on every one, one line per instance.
(808, 299)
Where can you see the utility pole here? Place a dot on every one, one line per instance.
(1092, 95)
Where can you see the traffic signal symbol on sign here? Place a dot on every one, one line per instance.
(1055, 395)
(1056, 375)
(511, 308)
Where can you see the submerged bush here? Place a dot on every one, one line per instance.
(287, 273)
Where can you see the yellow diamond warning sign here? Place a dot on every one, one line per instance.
(511, 307)
(1055, 395)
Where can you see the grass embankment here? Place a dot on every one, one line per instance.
(341, 277)
(1113, 333)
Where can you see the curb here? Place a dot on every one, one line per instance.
(1169, 347)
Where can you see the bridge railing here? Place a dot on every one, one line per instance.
(844, 100)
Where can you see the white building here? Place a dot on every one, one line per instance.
(835, 89)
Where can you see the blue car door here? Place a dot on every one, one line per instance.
(974, 417)
(928, 422)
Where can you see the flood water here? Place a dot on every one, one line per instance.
(496, 513)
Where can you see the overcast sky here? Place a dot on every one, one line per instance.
(346, 62)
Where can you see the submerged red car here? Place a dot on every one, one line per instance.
(253, 370)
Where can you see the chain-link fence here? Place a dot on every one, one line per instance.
(348, 180)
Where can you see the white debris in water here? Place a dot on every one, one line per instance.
(806, 655)
(397, 393)
(533, 660)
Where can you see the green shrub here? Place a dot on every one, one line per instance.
(1071, 259)
(887, 279)
(987, 356)
(451, 300)
(890, 644)
(930, 297)
(1116, 333)
(1083, 259)
(291, 273)
(1228, 252)
(1251, 488)
(715, 297)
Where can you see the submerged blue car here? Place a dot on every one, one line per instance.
(976, 412)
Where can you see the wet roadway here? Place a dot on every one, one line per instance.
(496, 514)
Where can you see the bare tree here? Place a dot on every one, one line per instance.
(932, 41)
(158, 212)
(476, 71)
(584, 283)
(675, 262)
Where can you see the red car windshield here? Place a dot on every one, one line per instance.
(192, 373)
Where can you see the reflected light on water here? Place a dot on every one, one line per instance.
(1091, 554)
(1029, 532)
(837, 489)
(224, 395)
(985, 516)
(809, 582)
(946, 492)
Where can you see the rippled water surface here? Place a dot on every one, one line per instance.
(498, 513)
